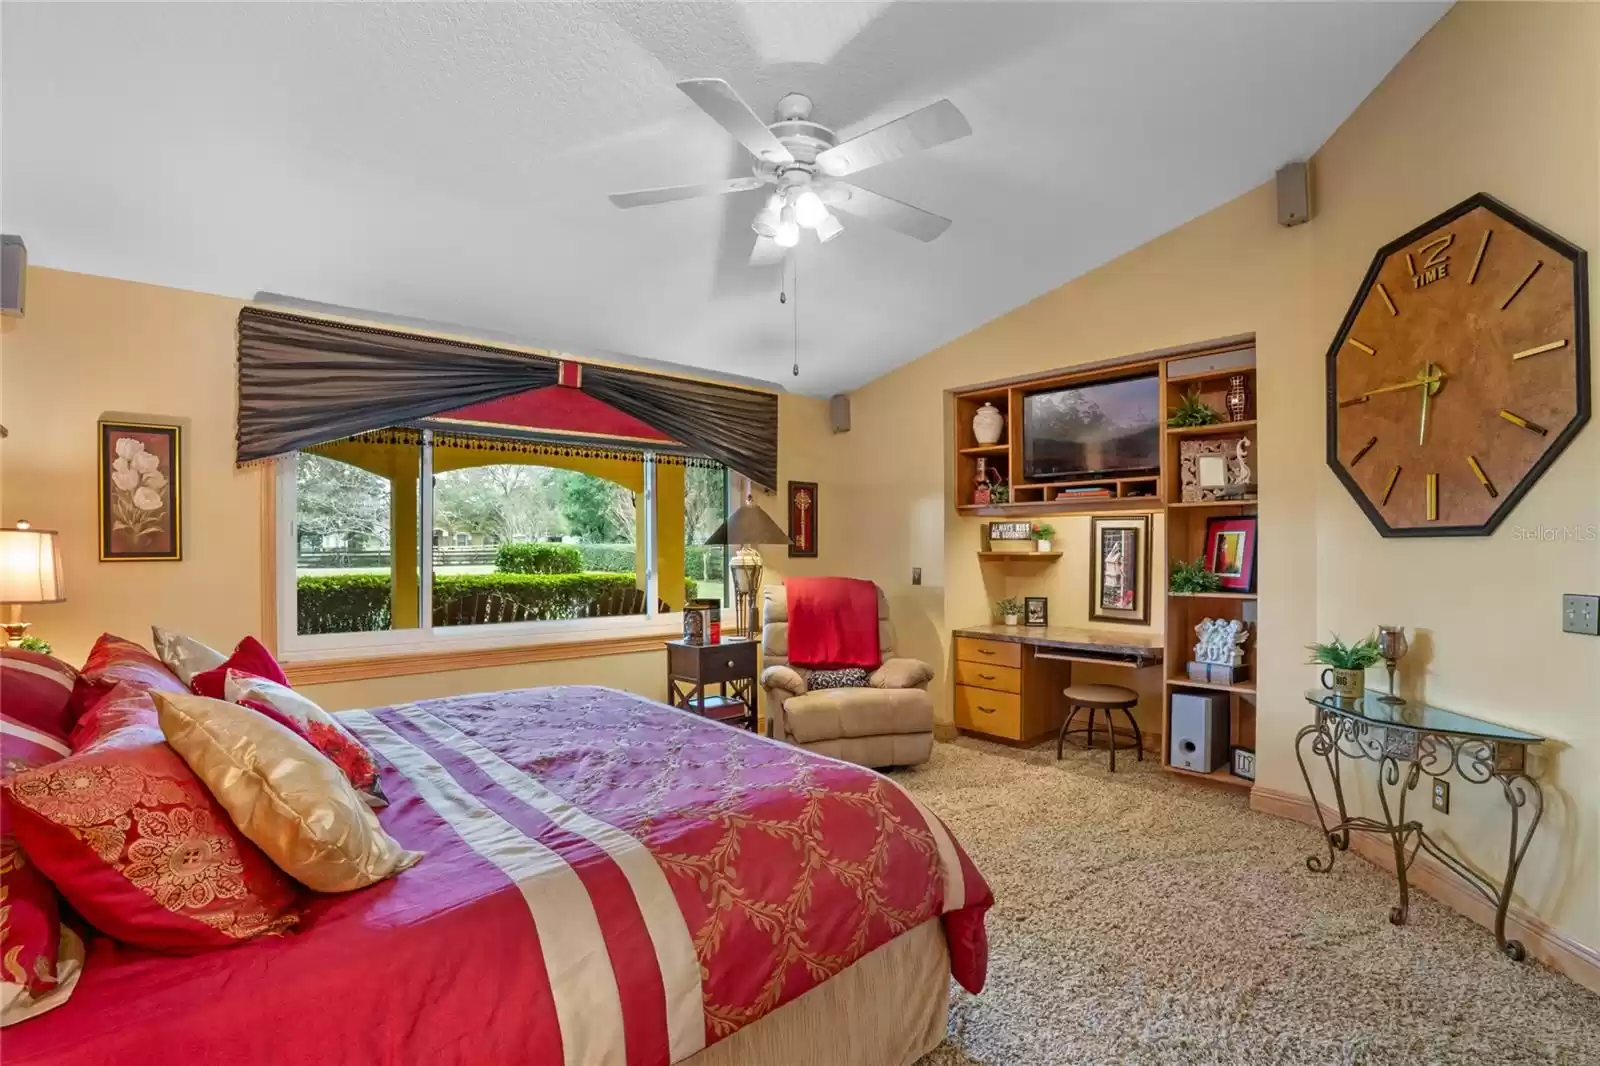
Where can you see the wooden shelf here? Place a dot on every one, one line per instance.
(1051, 556)
(1052, 508)
(1215, 777)
(986, 449)
(1251, 502)
(1247, 688)
(1209, 375)
(1212, 595)
(1213, 430)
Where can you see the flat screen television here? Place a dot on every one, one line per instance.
(1103, 429)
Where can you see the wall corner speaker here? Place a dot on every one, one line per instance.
(839, 413)
(13, 274)
(1199, 732)
(1294, 194)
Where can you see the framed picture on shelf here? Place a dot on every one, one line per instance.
(141, 513)
(1244, 763)
(802, 519)
(1119, 576)
(1035, 611)
(1231, 551)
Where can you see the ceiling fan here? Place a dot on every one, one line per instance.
(806, 162)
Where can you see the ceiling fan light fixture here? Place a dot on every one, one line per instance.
(788, 231)
(808, 208)
(828, 228)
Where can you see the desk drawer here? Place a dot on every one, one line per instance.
(982, 675)
(995, 652)
(985, 711)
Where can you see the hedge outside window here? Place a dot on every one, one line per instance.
(515, 538)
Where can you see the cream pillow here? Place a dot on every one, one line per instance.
(288, 798)
(184, 655)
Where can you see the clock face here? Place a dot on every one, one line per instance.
(1461, 371)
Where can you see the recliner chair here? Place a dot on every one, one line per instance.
(888, 723)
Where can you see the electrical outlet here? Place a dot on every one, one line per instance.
(916, 575)
(1580, 614)
(1441, 797)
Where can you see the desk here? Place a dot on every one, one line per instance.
(1408, 741)
(1009, 678)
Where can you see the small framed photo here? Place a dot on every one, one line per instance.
(1231, 551)
(1244, 763)
(1035, 611)
(141, 481)
(1119, 575)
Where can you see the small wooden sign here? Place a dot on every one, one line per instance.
(1010, 537)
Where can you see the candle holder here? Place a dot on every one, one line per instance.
(1392, 645)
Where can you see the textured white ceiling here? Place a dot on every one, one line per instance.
(451, 162)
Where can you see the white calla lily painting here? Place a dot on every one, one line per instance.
(139, 492)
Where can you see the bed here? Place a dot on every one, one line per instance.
(608, 881)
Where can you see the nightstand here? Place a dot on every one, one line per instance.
(730, 666)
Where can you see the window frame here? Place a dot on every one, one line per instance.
(425, 637)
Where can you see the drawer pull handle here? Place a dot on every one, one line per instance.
(986, 710)
(730, 664)
(987, 677)
(985, 651)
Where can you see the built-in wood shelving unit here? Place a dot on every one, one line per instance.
(1042, 557)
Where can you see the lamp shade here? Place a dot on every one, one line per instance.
(748, 525)
(30, 566)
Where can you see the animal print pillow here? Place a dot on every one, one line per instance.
(850, 677)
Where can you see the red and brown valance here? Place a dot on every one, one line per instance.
(305, 381)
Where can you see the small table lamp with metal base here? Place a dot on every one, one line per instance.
(30, 572)
(746, 528)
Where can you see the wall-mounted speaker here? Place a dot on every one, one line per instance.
(1294, 194)
(13, 274)
(839, 413)
(1199, 732)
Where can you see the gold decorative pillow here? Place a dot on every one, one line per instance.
(283, 794)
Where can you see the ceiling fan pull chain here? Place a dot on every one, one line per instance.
(796, 368)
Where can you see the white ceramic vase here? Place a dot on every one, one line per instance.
(987, 424)
(1012, 619)
(1041, 545)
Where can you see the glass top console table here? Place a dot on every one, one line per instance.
(1410, 741)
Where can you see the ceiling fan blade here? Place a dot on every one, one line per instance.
(717, 99)
(925, 128)
(644, 197)
(887, 211)
(767, 252)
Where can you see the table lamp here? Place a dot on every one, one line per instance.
(746, 528)
(30, 572)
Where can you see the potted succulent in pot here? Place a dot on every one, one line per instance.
(1042, 532)
(1346, 672)
(1010, 610)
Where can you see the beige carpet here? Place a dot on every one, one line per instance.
(1142, 920)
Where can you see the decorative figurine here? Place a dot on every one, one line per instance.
(1222, 641)
(1237, 400)
(980, 491)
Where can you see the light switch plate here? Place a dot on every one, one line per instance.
(1580, 614)
(1441, 796)
(916, 575)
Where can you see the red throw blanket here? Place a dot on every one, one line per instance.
(833, 622)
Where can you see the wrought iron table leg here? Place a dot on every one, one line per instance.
(1324, 745)
(1397, 828)
(1518, 790)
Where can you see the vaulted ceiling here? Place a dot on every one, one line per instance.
(451, 162)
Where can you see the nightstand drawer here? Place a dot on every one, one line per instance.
(984, 711)
(729, 661)
(997, 652)
(982, 675)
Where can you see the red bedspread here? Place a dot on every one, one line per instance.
(607, 881)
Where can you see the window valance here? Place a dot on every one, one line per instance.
(411, 436)
(305, 381)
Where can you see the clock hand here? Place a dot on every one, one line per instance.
(1430, 385)
(1431, 376)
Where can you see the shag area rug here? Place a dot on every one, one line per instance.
(1140, 919)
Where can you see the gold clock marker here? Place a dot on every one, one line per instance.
(1477, 261)
(1472, 461)
(1433, 497)
(1393, 310)
(1394, 475)
(1353, 402)
(1518, 420)
(1411, 266)
(1537, 263)
(1362, 454)
(1352, 342)
(1551, 347)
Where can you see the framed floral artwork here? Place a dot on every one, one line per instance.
(1119, 578)
(141, 507)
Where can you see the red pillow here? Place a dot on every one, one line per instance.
(250, 657)
(36, 690)
(42, 959)
(138, 846)
(113, 660)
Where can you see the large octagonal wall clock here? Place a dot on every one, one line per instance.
(1461, 371)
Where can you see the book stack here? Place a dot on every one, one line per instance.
(1088, 492)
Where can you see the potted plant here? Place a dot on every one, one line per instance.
(1042, 532)
(1000, 492)
(1190, 578)
(1346, 664)
(1192, 411)
(1010, 610)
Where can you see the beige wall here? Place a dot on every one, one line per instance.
(90, 345)
(1503, 99)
